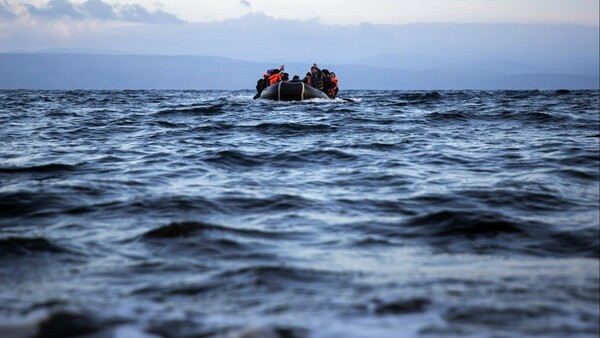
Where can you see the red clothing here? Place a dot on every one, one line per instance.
(273, 79)
(334, 88)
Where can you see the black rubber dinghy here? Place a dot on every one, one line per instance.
(292, 91)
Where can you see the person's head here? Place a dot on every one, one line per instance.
(332, 74)
(285, 76)
(276, 71)
(325, 71)
(308, 74)
(296, 77)
(313, 70)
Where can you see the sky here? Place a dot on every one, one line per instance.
(393, 11)
(541, 33)
(344, 12)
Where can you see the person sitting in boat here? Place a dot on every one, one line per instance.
(316, 77)
(272, 76)
(262, 83)
(327, 85)
(296, 78)
(334, 86)
(285, 77)
(307, 79)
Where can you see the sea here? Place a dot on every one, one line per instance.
(384, 214)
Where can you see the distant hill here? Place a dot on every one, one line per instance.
(58, 70)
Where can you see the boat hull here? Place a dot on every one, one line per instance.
(292, 91)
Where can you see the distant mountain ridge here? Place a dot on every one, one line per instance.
(97, 70)
(583, 66)
(59, 50)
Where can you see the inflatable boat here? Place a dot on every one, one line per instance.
(292, 91)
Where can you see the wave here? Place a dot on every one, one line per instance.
(234, 158)
(164, 204)
(420, 97)
(279, 277)
(518, 199)
(200, 238)
(274, 203)
(562, 91)
(30, 203)
(253, 279)
(447, 116)
(490, 232)
(79, 200)
(494, 315)
(401, 306)
(592, 160)
(382, 146)
(20, 246)
(214, 127)
(167, 124)
(270, 332)
(579, 174)
(60, 114)
(320, 156)
(286, 129)
(56, 199)
(533, 116)
(209, 110)
(61, 323)
(187, 229)
(449, 223)
(44, 168)
(414, 99)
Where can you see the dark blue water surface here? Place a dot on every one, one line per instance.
(209, 214)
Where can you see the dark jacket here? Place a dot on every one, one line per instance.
(316, 80)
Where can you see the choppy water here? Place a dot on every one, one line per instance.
(209, 214)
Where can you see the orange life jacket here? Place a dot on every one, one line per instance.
(273, 79)
(334, 87)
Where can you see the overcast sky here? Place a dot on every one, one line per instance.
(583, 12)
(540, 32)
(393, 11)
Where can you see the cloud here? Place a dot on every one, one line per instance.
(137, 13)
(99, 10)
(93, 9)
(56, 9)
(246, 3)
(411, 47)
(5, 11)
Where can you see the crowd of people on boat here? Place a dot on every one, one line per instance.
(321, 79)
